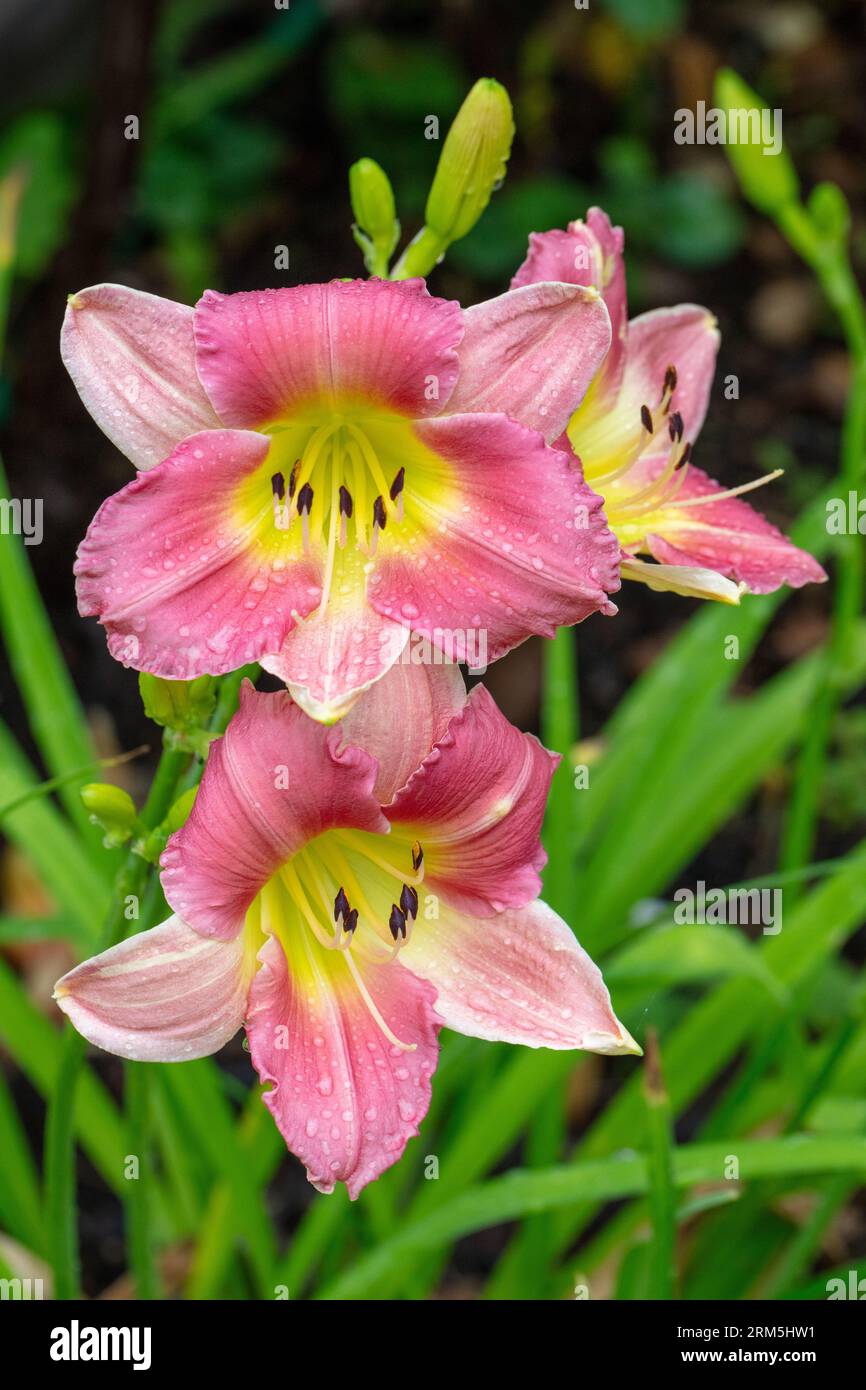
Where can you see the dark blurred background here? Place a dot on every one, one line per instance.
(249, 117)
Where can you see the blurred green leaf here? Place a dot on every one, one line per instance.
(647, 19)
(38, 145)
(694, 222)
(372, 75)
(46, 839)
(676, 955)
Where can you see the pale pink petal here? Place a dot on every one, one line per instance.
(182, 588)
(274, 781)
(690, 581)
(345, 1099)
(610, 241)
(528, 550)
(266, 354)
(332, 657)
(520, 977)
(728, 536)
(531, 354)
(588, 253)
(400, 718)
(165, 995)
(476, 805)
(685, 337)
(570, 256)
(132, 358)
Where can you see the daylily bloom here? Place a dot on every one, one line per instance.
(344, 892)
(635, 429)
(327, 467)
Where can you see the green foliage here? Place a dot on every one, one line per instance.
(37, 150)
(647, 21)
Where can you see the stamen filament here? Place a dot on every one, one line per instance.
(359, 494)
(328, 577)
(733, 491)
(299, 898)
(361, 848)
(374, 1012)
(371, 460)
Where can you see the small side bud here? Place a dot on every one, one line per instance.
(179, 813)
(112, 809)
(182, 708)
(829, 210)
(376, 229)
(177, 704)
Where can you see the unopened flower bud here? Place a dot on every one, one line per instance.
(111, 808)
(376, 230)
(762, 165)
(472, 162)
(178, 705)
(179, 813)
(830, 213)
(471, 166)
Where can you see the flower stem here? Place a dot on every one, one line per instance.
(662, 1193)
(559, 732)
(421, 256)
(139, 1204)
(60, 1212)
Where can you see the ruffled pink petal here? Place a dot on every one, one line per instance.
(180, 586)
(520, 977)
(264, 355)
(476, 805)
(531, 354)
(728, 536)
(274, 781)
(330, 659)
(344, 1098)
(528, 551)
(132, 359)
(165, 995)
(685, 337)
(588, 253)
(400, 718)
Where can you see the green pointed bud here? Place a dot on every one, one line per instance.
(179, 813)
(830, 213)
(111, 808)
(471, 167)
(376, 229)
(178, 705)
(753, 143)
(472, 162)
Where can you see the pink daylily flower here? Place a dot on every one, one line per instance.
(325, 468)
(343, 893)
(635, 429)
